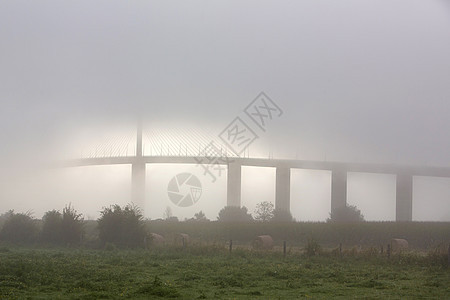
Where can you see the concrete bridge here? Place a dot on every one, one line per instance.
(338, 170)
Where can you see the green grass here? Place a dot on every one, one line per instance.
(210, 272)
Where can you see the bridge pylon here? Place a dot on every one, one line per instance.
(283, 189)
(403, 205)
(338, 189)
(138, 169)
(234, 184)
(138, 184)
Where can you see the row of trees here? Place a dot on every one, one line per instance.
(122, 226)
(125, 226)
(57, 227)
(266, 212)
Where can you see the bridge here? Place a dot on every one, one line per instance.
(404, 175)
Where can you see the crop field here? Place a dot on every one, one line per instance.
(212, 272)
(420, 235)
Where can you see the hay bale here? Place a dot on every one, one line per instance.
(182, 239)
(154, 239)
(399, 245)
(263, 242)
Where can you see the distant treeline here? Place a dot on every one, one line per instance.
(126, 227)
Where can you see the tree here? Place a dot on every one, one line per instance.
(122, 226)
(281, 216)
(264, 211)
(5, 216)
(348, 213)
(19, 228)
(63, 228)
(71, 226)
(167, 213)
(234, 214)
(51, 227)
(200, 216)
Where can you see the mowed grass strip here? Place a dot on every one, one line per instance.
(206, 273)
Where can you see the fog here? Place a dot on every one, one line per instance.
(357, 81)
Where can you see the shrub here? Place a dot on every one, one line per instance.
(19, 228)
(5, 216)
(200, 216)
(66, 228)
(348, 213)
(234, 214)
(122, 226)
(312, 247)
(51, 227)
(71, 226)
(281, 216)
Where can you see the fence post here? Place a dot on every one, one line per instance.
(184, 243)
(382, 250)
(388, 250)
(231, 245)
(284, 248)
(340, 249)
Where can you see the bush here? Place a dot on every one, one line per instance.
(19, 228)
(51, 227)
(312, 247)
(348, 213)
(65, 228)
(281, 216)
(234, 214)
(71, 226)
(5, 216)
(200, 216)
(122, 226)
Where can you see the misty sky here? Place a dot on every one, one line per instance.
(358, 81)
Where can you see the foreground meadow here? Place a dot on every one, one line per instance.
(211, 272)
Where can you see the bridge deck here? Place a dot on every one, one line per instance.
(261, 162)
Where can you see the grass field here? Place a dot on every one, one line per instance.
(211, 272)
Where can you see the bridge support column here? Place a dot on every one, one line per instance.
(338, 189)
(404, 197)
(234, 184)
(138, 173)
(138, 185)
(283, 189)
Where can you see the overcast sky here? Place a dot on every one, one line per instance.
(364, 81)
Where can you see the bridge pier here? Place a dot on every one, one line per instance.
(234, 184)
(338, 189)
(138, 184)
(138, 173)
(404, 197)
(283, 189)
